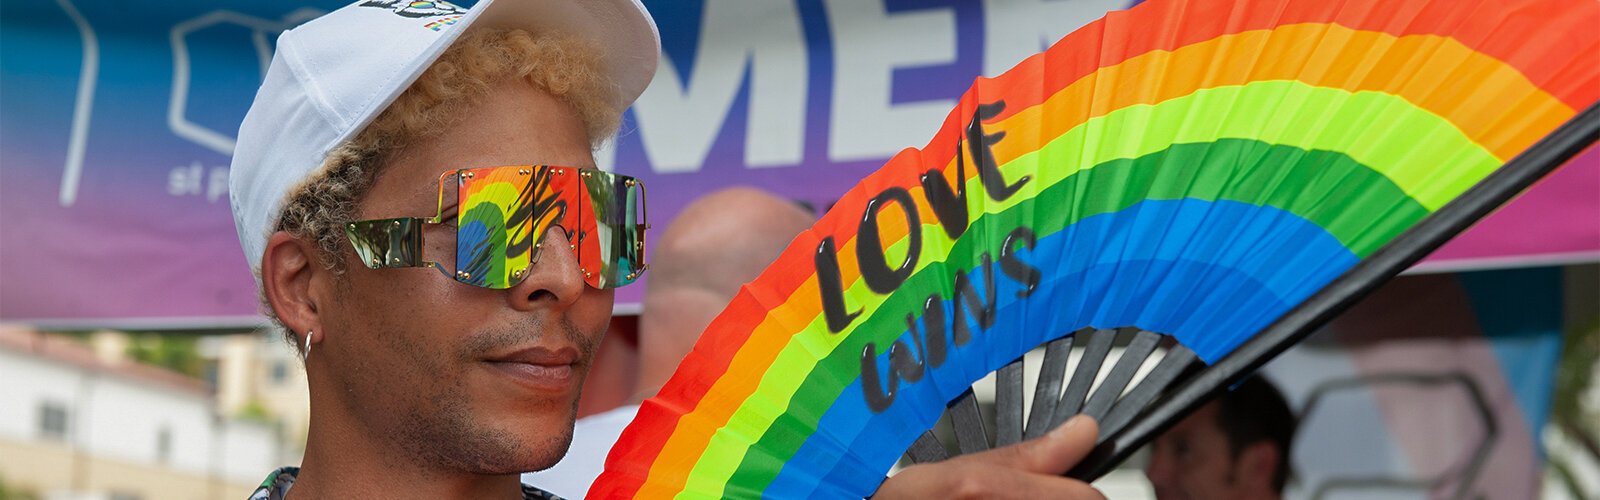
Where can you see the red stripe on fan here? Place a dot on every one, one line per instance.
(1516, 32)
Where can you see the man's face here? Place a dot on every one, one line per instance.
(1193, 461)
(469, 378)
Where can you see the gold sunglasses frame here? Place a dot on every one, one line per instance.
(393, 243)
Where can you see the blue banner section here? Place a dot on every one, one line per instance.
(1521, 314)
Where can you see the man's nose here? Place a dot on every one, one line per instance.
(554, 280)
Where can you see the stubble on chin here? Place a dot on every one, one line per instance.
(444, 427)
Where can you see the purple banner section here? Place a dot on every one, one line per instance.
(1557, 221)
(118, 124)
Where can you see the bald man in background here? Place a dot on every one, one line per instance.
(715, 245)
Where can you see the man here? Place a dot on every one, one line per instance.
(414, 187)
(1234, 447)
(698, 265)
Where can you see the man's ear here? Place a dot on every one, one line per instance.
(290, 270)
(1258, 464)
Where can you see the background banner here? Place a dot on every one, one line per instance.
(1434, 386)
(116, 126)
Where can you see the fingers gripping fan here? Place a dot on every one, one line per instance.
(1227, 175)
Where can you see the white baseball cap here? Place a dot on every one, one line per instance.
(333, 75)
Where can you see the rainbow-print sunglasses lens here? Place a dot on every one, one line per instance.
(501, 215)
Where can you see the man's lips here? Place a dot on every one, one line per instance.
(538, 368)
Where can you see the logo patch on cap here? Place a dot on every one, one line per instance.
(421, 10)
(441, 23)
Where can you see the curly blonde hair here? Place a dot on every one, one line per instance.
(566, 68)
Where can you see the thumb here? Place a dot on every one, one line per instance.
(1064, 446)
(1052, 453)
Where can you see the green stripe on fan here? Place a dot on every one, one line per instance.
(1382, 131)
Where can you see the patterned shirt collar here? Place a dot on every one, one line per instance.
(278, 483)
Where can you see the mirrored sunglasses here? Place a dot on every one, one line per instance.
(492, 232)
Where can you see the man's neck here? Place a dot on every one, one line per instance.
(342, 460)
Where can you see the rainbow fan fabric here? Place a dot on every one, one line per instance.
(1192, 168)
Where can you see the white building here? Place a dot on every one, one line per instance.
(259, 372)
(75, 426)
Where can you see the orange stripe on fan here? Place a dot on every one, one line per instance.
(1416, 68)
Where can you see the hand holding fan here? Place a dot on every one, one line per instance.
(1229, 174)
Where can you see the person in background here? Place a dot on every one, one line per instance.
(1234, 447)
(375, 191)
(716, 244)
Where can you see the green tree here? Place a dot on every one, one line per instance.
(1574, 378)
(254, 411)
(8, 492)
(179, 353)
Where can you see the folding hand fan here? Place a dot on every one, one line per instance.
(1228, 174)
